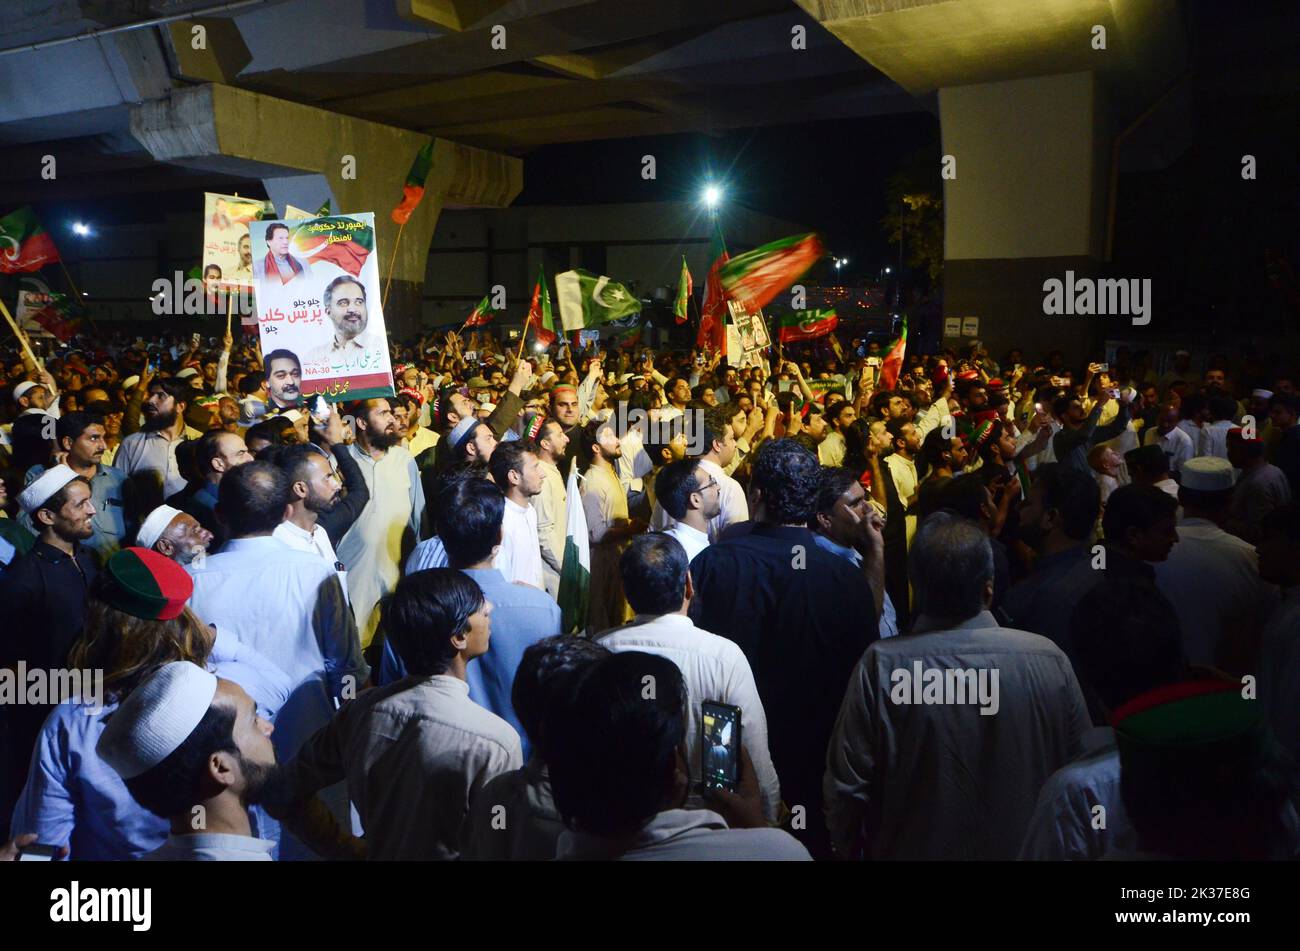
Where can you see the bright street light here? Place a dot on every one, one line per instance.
(80, 228)
(712, 195)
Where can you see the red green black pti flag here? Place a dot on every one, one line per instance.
(413, 190)
(713, 312)
(24, 244)
(754, 278)
(807, 325)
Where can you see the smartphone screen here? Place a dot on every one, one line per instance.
(719, 745)
(36, 852)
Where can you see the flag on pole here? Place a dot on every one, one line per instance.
(482, 314)
(587, 300)
(685, 287)
(713, 311)
(540, 320)
(807, 325)
(413, 190)
(628, 339)
(892, 365)
(575, 573)
(24, 244)
(754, 278)
(58, 317)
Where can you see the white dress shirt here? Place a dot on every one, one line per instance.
(692, 539)
(316, 542)
(289, 606)
(520, 556)
(211, 847)
(1176, 444)
(735, 507)
(552, 521)
(1212, 580)
(714, 668)
(687, 835)
(1065, 824)
(1214, 438)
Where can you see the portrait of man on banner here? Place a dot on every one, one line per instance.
(319, 308)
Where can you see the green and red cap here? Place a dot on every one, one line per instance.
(146, 585)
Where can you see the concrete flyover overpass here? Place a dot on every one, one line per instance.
(280, 91)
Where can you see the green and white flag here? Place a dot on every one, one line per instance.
(575, 572)
(587, 300)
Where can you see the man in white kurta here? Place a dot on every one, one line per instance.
(389, 526)
(551, 503)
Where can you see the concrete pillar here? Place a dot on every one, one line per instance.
(362, 165)
(1028, 203)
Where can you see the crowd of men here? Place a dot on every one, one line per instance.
(961, 615)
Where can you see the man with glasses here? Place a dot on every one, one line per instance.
(692, 496)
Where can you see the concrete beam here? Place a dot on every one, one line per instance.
(224, 129)
(924, 45)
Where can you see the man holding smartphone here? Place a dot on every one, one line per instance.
(657, 584)
(620, 776)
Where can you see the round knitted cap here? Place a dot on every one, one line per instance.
(146, 585)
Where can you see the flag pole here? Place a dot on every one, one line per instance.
(392, 262)
(523, 340)
(76, 295)
(22, 337)
(230, 303)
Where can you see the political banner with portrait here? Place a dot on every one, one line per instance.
(747, 336)
(227, 249)
(318, 307)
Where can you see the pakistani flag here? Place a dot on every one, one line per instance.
(685, 286)
(575, 575)
(587, 300)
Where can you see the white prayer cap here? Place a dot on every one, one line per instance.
(50, 482)
(22, 388)
(292, 415)
(1208, 474)
(130, 382)
(187, 373)
(1262, 394)
(460, 432)
(156, 718)
(155, 525)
